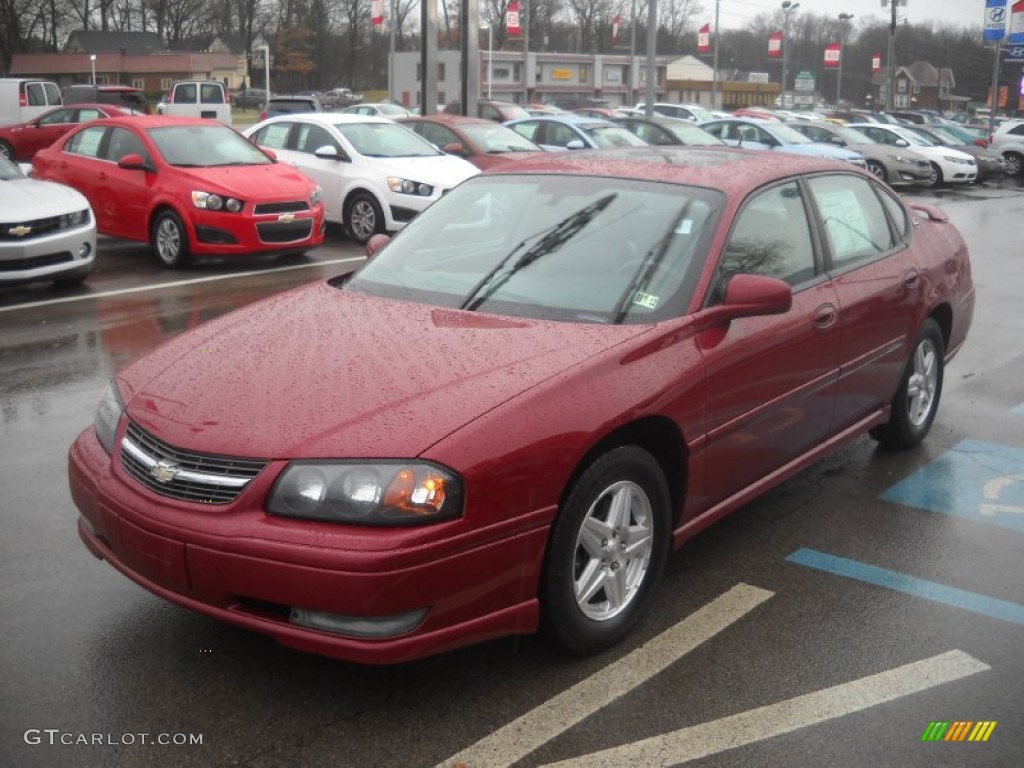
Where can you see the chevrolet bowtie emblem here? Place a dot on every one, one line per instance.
(163, 471)
(19, 231)
(286, 218)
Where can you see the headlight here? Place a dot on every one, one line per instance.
(108, 414)
(75, 219)
(407, 187)
(215, 202)
(378, 493)
(317, 196)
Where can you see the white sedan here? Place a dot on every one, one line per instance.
(376, 174)
(949, 166)
(47, 230)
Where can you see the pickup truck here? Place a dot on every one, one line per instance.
(340, 97)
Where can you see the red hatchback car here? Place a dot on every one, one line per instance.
(190, 187)
(20, 142)
(509, 416)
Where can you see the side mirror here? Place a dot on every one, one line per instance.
(902, 143)
(134, 162)
(575, 144)
(375, 245)
(327, 152)
(269, 153)
(748, 296)
(454, 149)
(838, 141)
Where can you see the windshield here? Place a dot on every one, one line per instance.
(577, 248)
(607, 136)
(492, 137)
(9, 171)
(852, 135)
(205, 146)
(692, 135)
(787, 135)
(386, 140)
(915, 139)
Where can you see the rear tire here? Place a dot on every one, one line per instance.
(917, 399)
(6, 150)
(607, 550)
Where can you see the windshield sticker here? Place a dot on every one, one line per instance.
(645, 300)
(685, 227)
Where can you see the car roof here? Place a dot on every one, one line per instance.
(446, 117)
(732, 170)
(329, 118)
(570, 118)
(156, 121)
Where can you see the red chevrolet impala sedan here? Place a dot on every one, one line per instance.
(188, 187)
(509, 416)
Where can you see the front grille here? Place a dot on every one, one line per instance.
(184, 475)
(290, 206)
(48, 260)
(284, 232)
(13, 231)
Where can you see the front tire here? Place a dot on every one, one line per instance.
(1014, 163)
(877, 170)
(6, 150)
(363, 217)
(169, 241)
(936, 179)
(607, 551)
(917, 399)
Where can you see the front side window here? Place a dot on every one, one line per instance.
(856, 226)
(123, 142)
(772, 237)
(312, 137)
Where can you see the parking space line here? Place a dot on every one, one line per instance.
(522, 736)
(755, 725)
(175, 284)
(911, 585)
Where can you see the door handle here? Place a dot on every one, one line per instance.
(911, 277)
(825, 316)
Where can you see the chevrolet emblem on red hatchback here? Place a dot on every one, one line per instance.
(286, 218)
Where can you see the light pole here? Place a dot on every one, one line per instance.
(266, 68)
(92, 61)
(490, 60)
(843, 18)
(787, 8)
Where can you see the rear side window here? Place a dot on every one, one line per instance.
(273, 136)
(856, 226)
(86, 142)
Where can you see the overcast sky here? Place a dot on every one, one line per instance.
(735, 14)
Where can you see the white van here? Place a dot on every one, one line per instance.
(199, 98)
(21, 98)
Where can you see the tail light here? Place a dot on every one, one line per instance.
(981, 142)
(22, 99)
(263, 115)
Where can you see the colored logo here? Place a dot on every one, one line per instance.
(958, 730)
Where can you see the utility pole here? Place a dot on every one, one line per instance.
(714, 65)
(843, 18)
(787, 8)
(890, 95)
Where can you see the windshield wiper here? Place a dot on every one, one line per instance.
(652, 260)
(552, 238)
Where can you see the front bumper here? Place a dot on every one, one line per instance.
(175, 550)
(62, 253)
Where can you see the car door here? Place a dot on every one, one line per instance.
(770, 380)
(45, 130)
(79, 167)
(878, 284)
(124, 193)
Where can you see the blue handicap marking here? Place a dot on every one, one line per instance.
(974, 479)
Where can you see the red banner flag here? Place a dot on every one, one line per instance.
(512, 18)
(832, 53)
(377, 12)
(775, 45)
(876, 63)
(615, 28)
(704, 38)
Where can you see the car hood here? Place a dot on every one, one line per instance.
(252, 182)
(439, 171)
(320, 373)
(33, 199)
